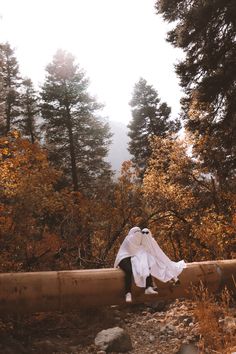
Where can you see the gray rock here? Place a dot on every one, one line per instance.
(187, 321)
(151, 338)
(188, 349)
(113, 340)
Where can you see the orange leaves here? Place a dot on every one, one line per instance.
(193, 211)
(26, 191)
(166, 179)
(214, 230)
(186, 210)
(21, 165)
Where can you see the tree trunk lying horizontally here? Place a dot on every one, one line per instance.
(79, 289)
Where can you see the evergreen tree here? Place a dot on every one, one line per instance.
(150, 118)
(2, 102)
(206, 31)
(76, 137)
(9, 72)
(29, 111)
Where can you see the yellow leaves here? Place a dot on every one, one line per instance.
(166, 179)
(176, 186)
(15, 134)
(25, 175)
(215, 231)
(5, 151)
(198, 109)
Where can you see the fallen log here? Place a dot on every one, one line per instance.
(78, 289)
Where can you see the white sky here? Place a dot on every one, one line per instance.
(115, 41)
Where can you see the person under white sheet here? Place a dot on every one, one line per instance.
(160, 265)
(140, 255)
(125, 259)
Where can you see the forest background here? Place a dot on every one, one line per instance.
(60, 205)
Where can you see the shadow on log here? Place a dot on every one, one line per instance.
(78, 289)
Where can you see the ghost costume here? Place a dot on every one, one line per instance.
(147, 258)
(125, 259)
(131, 245)
(159, 264)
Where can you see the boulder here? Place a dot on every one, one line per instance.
(113, 340)
(188, 349)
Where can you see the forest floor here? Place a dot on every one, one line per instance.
(164, 328)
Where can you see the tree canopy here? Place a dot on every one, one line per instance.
(206, 31)
(10, 82)
(150, 118)
(76, 137)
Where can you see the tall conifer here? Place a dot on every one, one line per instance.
(76, 137)
(10, 78)
(150, 118)
(29, 111)
(206, 31)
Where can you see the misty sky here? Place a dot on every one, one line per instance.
(115, 41)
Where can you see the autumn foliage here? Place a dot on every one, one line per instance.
(45, 226)
(195, 217)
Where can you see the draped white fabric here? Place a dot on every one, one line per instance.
(147, 258)
(130, 246)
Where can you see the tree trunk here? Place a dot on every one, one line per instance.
(71, 290)
(72, 152)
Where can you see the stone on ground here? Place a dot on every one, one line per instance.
(113, 340)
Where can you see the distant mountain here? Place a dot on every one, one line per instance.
(118, 152)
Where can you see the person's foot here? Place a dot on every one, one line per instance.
(174, 281)
(150, 291)
(128, 297)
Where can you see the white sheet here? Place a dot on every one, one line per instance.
(130, 246)
(147, 258)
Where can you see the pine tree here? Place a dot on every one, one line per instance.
(29, 111)
(206, 31)
(76, 137)
(2, 102)
(9, 72)
(150, 118)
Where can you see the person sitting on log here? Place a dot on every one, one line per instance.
(161, 266)
(131, 253)
(141, 257)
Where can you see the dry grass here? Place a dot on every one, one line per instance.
(217, 327)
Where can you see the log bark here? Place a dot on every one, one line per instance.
(22, 293)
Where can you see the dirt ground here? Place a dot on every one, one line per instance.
(158, 328)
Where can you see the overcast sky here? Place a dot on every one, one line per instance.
(115, 41)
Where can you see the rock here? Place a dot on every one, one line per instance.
(188, 349)
(163, 329)
(229, 325)
(151, 338)
(187, 321)
(168, 329)
(171, 328)
(113, 340)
